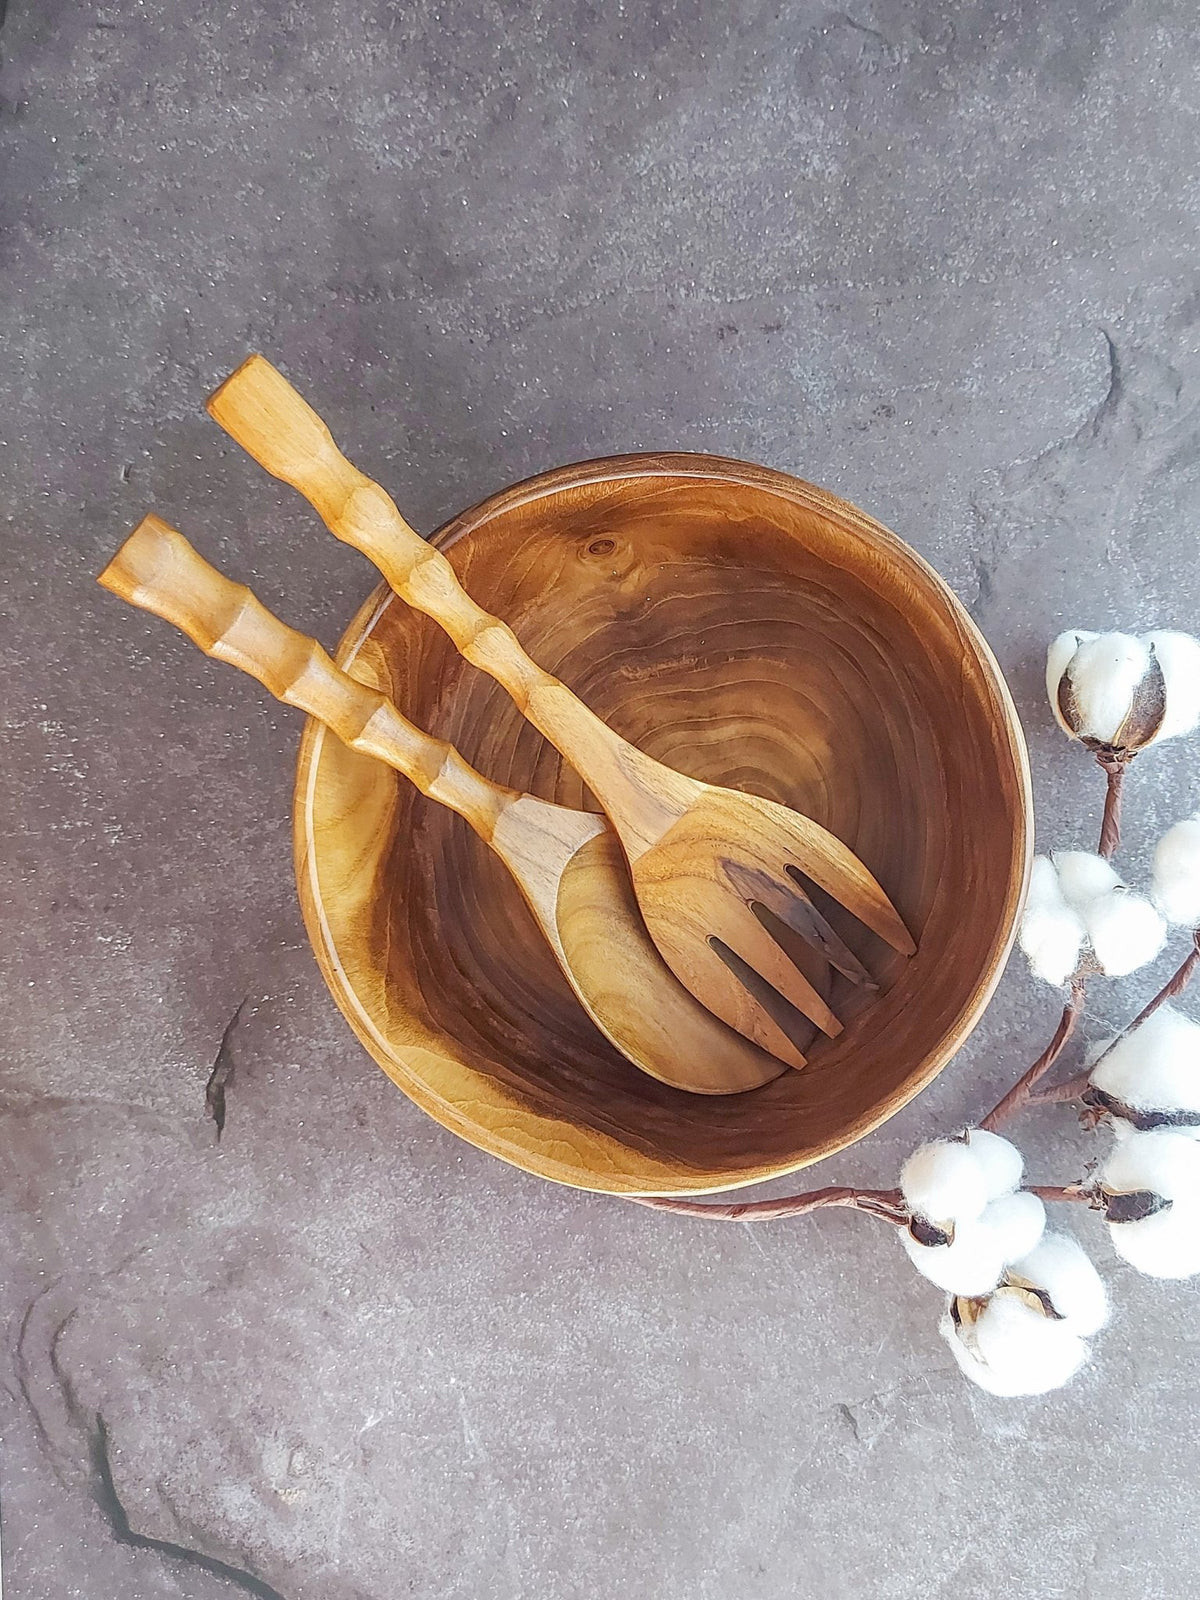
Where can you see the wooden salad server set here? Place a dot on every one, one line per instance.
(701, 878)
(567, 864)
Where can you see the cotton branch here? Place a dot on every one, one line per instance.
(1073, 1087)
(1115, 763)
(1022, 1091)
(885, 1204)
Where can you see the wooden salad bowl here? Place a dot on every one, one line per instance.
(751, 630)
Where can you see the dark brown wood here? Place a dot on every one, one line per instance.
(749, 630)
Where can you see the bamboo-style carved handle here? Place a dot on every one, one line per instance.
(157, 569)
(260, 409)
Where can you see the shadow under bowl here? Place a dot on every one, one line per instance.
(751, 630)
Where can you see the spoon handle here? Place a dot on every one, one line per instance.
(260, 409)
(157, 569)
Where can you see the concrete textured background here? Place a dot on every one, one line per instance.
(940, 259)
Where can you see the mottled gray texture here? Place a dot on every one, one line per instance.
(941, 259)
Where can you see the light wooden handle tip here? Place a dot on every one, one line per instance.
(259, 408)
(139, 558)
(251, 372)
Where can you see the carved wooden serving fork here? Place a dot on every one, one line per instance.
(711, 867)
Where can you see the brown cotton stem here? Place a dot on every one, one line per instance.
(1022, 1091)
(1175, 985)
(886, 1204)
(1114, 763)
(1070, 1089)
(1053, 1192)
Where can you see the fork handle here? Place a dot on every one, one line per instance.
(157, 569)
(260, 409)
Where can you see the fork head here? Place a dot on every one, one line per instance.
(716, 883)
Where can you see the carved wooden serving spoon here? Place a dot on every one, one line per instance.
(568, 864)
(710, 867)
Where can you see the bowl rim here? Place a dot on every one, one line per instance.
(700, 467)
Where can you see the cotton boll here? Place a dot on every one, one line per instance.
(1160, 1160)
(1033, 1352)
(1012, 1348)
(971, 1264)
(943, 1182)
(1178, 656)
(1051, 933)
(1125, 931)
(1156, 1067)
(1015, 1223)
(1058, 658)
(1058, 1265)
(1045, 891)
(1166, 1245)
(999, 1160)
(1152, 1185)
(1101, 693)
(1083, 876)
(1177, 874)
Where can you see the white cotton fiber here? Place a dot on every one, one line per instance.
(1160, 1162)
(974, 1260)
(1060, 1266)
(1166, 1245)
(1179, 658)
(1083, 876)
(1157, 1066)
(971, 1264)
(1104, 674)
(1051, 933)
(998, 1159)
(1012, 1349)
(1058, 658)
(1015, 1223)
(1177, 874)
(1125, 931)
(943, 1182)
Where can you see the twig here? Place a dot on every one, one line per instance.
(1074, 1086)
(1175, 985)
(1114, 763)
(1058, 1094)
(1065, 1191)
(886, 1204)
(1021, 1092)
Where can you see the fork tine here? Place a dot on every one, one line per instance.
(834, 867)
(756, 946)
(778, 1026)
(793, 907)
(791, 904)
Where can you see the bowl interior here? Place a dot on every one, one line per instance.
(749, 630)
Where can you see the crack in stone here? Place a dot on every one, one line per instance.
(882, 39)
(104, 1493)
(986, 590)
(24, 1376)
(1113, 395)
(101, 1484)
(221, 1077)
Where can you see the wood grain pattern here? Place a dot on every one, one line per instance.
(567, 864)
(746, 628)
(692, 847)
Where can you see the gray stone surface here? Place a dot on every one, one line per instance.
(941, 259)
